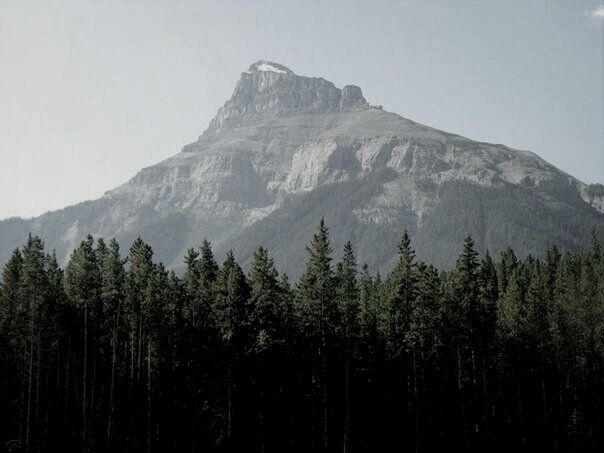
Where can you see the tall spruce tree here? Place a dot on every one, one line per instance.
(27, 327)
(113, 295)
(402, 292)
(317, 315)
(401, 297)
(267, 323)
(10, 335)
(347, 293)
(9, 297)
(266, 310)
(82, 286)
(485, 335)
(232, 292)
(423, 340)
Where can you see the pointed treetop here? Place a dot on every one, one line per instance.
(468, 260)
(405, 251)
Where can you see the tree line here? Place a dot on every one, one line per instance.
(117, 353)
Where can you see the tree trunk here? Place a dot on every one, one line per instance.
(323, 355)
(36, 423)
(139, 351)
(416, 396)
(347, 419)
(112, 384)
(85, 381)
(23, 408)
(31, 375)
(229, 401)
(461, 398)
(485, 397)
(132, 330)
(149, 397)
(67, 380)
(261, 405)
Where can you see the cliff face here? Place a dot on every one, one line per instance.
(286, 150)
(269, 89)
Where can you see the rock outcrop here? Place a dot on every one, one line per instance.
(268, 88)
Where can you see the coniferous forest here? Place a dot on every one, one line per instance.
(115, 353)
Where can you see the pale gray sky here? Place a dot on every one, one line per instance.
(92, 91)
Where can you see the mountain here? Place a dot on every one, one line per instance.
(286, 150)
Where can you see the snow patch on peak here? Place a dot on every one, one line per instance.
(270, 68)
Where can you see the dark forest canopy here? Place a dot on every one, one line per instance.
(114, 354)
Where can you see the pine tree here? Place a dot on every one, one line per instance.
(82, 286)
(267, 323)
(203, 343)
(486, 328)
(461, 318)
(138, 277)
(467, 281)
(266, 305)
(231, 297)
(317, 313)
(12, 350)
(401, 298)
(403, 290)
(537, 339)
(506, 267)
(9, 300)
(191, 275)
(113, 294)
(422, 337)
(487, 294)
(370, 311)
(154, 315)
(208, 272)
(589, 314)
(232, 292)
(347, 299)
(102, 253)
(512, 338)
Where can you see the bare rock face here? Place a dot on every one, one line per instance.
(286, 150)
(594, 195)
(270, 89)
(352, 99)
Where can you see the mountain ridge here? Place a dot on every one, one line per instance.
(282, 138)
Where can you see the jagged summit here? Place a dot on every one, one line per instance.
(269, 88)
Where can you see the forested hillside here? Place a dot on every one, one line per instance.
(118, 354)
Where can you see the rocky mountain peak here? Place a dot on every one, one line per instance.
(272, 89)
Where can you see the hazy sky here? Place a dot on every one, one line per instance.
(92, 91)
